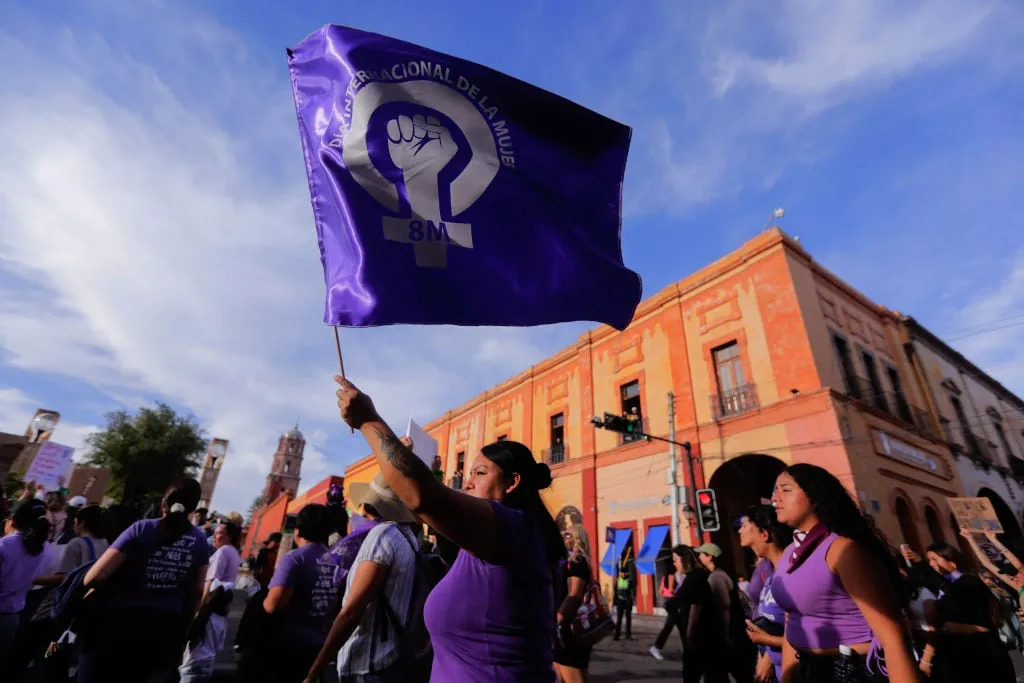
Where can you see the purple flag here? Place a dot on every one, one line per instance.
(445, 192)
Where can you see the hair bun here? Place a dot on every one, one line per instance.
(542, 475)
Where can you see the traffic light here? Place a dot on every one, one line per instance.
(620, 424)
(707, 510)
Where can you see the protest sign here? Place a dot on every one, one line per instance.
(51, 466)
(975, 514)
(423, 444)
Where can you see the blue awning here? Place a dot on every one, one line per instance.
(649, 550)
(610, 563)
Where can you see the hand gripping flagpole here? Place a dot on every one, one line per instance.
(341, 361)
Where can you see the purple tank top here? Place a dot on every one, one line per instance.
(494, 623)
(822, 615)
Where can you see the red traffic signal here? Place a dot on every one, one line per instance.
(707, 511)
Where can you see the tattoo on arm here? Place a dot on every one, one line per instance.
(400, 457)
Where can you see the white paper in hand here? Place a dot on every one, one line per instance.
(423, 444)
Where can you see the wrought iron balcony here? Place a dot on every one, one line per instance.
(735, 402)
(556, 454)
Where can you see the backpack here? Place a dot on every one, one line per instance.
(58, 603)
(415, 652)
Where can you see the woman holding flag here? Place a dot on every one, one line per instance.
(510, 549)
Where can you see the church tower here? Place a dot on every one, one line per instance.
(285, 472)
(211, 470)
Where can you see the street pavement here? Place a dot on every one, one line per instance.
(622, 661)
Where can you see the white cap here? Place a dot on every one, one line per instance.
(846, 650)
(78, 502)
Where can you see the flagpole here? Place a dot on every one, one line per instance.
(341, 360)
(337, 345)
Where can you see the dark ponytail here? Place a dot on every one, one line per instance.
(30, 520)
(514, 458)
(180, 500)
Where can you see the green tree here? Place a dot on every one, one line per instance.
(14, 485)
(146, 452)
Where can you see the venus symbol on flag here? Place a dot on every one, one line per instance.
(445, 192)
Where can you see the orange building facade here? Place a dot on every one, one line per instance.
(771, 360)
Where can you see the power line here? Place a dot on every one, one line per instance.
(993, 329)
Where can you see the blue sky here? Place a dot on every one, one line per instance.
(156, 240)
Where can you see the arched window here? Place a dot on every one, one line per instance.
(287, 467)
(931, 518)
(907, 526)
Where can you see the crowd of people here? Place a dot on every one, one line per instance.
(497, 593)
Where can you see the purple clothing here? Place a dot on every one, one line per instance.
(17, 569)
(309, 572)
(821, 613)
(156, 575)
(494, 623)
(763, 571)
(224, 564)
(345, 550)
(768, 608)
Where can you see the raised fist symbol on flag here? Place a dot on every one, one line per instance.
(421, 146)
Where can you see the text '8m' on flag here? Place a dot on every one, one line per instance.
(445, 192)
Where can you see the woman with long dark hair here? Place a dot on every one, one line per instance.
(21, 560)
(150, 580)
(491, 619)
(700, 622)
(572, 660)
(965, 644)
(838, 584)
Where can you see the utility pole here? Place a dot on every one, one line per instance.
(672, 467)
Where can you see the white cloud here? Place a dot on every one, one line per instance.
(994, 333)
(823, 52)
(17, 409)
(729, 98)
(160, 232)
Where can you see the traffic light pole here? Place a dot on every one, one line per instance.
(673, 467)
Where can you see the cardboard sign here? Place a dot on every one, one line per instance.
(423, 444)
(975, 514)
(51, 466)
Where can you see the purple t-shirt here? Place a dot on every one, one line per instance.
(309, 572)
(763, 571)
(494, 623)
(155, 575)
(17, 570)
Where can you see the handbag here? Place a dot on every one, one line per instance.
(593, 622)
(666, 592)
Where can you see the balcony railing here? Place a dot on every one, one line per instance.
(895, 403)
(556, 454)
(924, 423)
(969, 444)
(735, 402)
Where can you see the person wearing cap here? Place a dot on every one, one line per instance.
(300, 600)
(491, 617)
(21, 560)
(767, 538)
(384, 569)
(739, 650)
